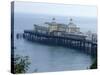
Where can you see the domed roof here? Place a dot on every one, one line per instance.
(71, 24)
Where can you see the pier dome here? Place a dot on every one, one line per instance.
(72, 28)
(71, 24)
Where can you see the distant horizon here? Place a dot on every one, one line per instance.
(67, 16)
(55, 9)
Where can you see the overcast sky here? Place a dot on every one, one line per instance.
(55, 9)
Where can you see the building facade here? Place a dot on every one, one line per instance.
(41, 29)
(53, 26)
(72, 28)
(58, 28)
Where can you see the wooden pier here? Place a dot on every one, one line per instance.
(83, 45)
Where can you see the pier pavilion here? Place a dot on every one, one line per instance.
(62, 35)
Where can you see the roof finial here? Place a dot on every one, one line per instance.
(53, 18)
(71, 19)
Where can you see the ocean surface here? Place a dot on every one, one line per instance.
(45, 58)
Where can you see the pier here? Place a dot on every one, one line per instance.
(67, 35)
(77, 43)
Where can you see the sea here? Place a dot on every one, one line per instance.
(46, 58)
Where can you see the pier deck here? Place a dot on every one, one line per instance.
(70, 42)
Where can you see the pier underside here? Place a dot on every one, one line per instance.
(83, 45)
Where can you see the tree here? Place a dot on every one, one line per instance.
(21, 64)
(94, 65)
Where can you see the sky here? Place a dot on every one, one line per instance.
(55, 9)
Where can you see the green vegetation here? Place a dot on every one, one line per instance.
(94, 65)
(21, 64)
